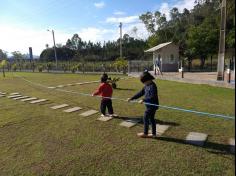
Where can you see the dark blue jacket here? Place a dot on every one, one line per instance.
(151, 95)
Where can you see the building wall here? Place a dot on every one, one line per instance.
(169, 64)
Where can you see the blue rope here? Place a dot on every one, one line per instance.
(150, 104)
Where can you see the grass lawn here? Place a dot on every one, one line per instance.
(36, 140)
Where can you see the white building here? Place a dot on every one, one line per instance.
(167, 55)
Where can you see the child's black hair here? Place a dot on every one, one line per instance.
(146, 76)
(104, 78)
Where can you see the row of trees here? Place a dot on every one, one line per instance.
(196, 31)
(78, 50)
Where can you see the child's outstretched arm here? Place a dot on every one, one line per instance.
(98, 91)
(138, 95)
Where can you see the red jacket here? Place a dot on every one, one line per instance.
(104, 90)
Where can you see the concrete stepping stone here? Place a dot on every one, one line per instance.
(129, 123)
(29, 99)
(196, 138)
(14, 93)
(51, 87)
(161, 129)
(232, 145)
(105, 118)
(2, 95)
(60, 86)
(19, 98)
(73, 109)
(38, 101)
(59, 106)
(89, 113)
(14, 96)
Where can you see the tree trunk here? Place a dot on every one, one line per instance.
(3, 71)
(203, 59)
(211, 63)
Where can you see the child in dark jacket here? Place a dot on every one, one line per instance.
(151, 96)
(105, 91)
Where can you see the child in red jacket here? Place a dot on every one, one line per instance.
(105, 91)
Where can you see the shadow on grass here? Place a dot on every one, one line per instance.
(140, 120)
(212, 147)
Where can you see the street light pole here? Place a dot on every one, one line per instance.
(221, 54)
(55, 52)
(120, 39)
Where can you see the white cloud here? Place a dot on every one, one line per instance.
(188, 4)
(15, 38)
(94, 34)
(141, 32)
(99, 5)
(165, 9)
(119, 13)
(128, 19)
(181, 5)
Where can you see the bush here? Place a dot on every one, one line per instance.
(121, 65)
(40, 68)
(74, 68)
(14, 67)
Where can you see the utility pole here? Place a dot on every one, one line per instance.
(55, 52)
(221, 54)
(120, 39)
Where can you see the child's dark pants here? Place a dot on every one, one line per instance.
(106, 103)
(149, 115)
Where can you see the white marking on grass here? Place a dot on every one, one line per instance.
(73, 109)
(14, 93)
(196, 138)
(19, 98)
(29, 99)
(161, 129)
(38, 101)
(59, 106)
(14, 96)
(89, 113)
(129, 123)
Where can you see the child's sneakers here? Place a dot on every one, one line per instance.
(142, 135)
(112, 115)
(102, 115)
(152, 136)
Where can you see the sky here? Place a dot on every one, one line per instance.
(24, 23)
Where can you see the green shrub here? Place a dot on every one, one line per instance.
(121, 65)
(40, 68)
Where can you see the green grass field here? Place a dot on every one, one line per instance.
(36, 140)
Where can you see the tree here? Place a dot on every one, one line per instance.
(3, 65)
(202, 41)
(3, 55)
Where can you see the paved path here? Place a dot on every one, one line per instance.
(208, 78)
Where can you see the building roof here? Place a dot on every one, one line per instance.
(155, 48)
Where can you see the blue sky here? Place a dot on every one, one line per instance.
(24, 23)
